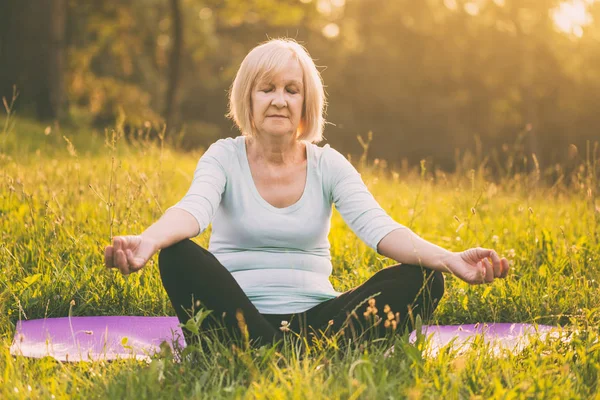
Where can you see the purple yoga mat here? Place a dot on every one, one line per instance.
(102, 338)
(95, 338)
(512, 337)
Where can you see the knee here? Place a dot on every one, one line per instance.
(395, 272)
(170, 257)
(431, 282)
(436, 285)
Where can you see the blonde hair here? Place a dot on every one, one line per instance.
(266, 60)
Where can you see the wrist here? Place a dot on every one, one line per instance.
(448, 260)
(149, 239)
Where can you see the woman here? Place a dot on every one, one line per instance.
(269, 196)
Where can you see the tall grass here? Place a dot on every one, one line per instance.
(65, 193)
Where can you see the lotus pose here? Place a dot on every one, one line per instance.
(269, 194)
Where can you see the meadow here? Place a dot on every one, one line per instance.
(65, 192)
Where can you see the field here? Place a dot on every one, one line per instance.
(64, 193)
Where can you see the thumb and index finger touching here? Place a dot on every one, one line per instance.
(110, 252)
(498, 267)
(120, 255)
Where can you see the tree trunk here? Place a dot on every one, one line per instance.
(32, 53)
(174, 65)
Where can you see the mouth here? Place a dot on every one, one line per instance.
(276, 116)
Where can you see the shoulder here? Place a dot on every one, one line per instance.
(225, 146)
(328, 156)
(329, 160)
(223, 150)
(221, 155)
(332, 166)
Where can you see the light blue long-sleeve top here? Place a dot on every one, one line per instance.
(280, 256)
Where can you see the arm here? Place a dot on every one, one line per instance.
(472, 266)
(378, 230)
(406, 247)
(188, 218)
(131, 253)
(354, 201)
(174, 226)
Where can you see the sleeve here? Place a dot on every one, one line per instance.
(356, 204)
(204, 195)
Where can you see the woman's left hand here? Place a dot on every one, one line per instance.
(477, 265)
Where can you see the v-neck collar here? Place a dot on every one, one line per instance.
(245, 164)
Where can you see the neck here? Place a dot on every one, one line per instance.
(273, 150)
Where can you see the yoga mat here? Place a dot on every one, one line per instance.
(95, 338)
(512, 337)
(102, 338)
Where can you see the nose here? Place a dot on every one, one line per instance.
(279, 100)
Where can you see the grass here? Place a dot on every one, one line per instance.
(64, 193)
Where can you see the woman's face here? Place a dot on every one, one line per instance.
(277, 102)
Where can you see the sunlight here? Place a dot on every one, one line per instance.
(331, 30)
(472, 8)
(327, 7)
(324, 7)
(571, 16)
(451, 4)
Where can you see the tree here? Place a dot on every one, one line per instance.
(32, 54)
(174, 63)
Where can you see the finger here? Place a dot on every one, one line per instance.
(117, 244)
(108, 257)
(121, 262)
(481, 277)
(489, 270)
(482, 253)
(133, 264)
(505, 267)
(496, 263)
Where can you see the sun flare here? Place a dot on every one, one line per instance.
(572, 16)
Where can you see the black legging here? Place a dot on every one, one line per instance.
(191, 274)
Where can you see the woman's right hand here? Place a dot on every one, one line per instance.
(129, 253)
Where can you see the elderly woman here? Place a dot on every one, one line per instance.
(269, 195)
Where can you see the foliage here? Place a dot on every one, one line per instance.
(61, 201)
(428, 77)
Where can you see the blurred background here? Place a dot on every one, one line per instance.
(431, 79)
